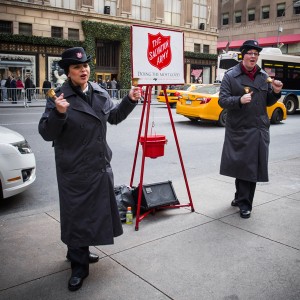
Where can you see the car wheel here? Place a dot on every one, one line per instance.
(193, 120)
(290, 104)
(277, 116)
(222, 119)
(173, 105)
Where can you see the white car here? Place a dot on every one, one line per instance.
(17, 163)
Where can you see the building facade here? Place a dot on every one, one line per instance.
(274, 23)
(34, 33)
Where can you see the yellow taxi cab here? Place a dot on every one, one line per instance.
(174, 92)
(202, 104)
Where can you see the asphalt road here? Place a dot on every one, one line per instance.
(200, 145)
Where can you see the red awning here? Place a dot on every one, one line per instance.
(222, 45)
(268, 41)
(286, 39)
(290, 39)
(236, 44)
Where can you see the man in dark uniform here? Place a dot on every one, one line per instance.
(245, 93)
(76, 121)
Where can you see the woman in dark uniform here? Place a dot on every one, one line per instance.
(76, 122)
(245, 92)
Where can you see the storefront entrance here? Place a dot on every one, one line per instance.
(103, 76)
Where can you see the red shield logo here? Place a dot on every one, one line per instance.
(79, 55)
(159, 50)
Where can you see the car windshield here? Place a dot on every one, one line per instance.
(178, 87)
(185, 87)
(208, 89)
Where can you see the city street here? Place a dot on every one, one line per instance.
(209, 254)
(189, 239)
(200, 144)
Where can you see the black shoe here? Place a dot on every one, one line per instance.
(93, 258)
(75, 283)
(233, 203)
(245, 214)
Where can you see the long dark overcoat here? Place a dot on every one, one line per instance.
(88, 209)
(246, 144)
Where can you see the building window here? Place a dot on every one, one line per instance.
(87, 2)
(199, 13)
(280, 9)
(251, 14)
(25, 29)
(197, 48)
(172, 12)
(238, 17)
(107, 55)
(73, 34)
(109, 5)
(57, 32)
(296, 8)
(205, 48)
(141, 10)
(6, 27)
(67, 4)
(265, 12)
(225, 19)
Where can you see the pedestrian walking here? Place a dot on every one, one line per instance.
(104, 85)
(20, 87)
(46, 86)
(113, 85)
(13, 89)
(7, 86)
(76, 122)
(245, 93)
(3, 90)
(29, 86)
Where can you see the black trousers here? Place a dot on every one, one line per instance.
(29, 94)
(79, 258)
(244, 194)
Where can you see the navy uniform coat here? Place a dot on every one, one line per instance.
(88, 210)
(246, 145)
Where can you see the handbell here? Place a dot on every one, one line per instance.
(135, 81)
(269, 80)
(247, 89)
(51, 94)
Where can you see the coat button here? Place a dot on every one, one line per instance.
(103, 170)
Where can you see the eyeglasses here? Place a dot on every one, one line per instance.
(252, 53)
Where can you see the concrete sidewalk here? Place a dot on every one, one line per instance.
(209, 254)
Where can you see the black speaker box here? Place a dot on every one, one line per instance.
(156, 194)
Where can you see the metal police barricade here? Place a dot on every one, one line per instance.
(35, 96)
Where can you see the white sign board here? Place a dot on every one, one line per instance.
(157, 56)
